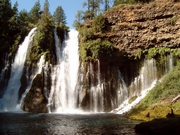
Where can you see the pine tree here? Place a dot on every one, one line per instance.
(79, 19)
(59, 16)
(35, 12)
(46, 8)
(93, 9)
(106, 5)
(23, 18)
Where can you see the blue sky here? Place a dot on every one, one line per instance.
(70, 7)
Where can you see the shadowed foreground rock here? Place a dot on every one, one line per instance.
(166, 126)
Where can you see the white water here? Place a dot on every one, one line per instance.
(10, 97)
(64, 75)
(38, 70)
(63, 97)
(96, 89)
(144, 83)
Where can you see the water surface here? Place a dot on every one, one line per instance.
(65, 124)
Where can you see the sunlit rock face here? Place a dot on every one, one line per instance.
(143, 26)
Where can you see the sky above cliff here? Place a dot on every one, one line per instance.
(70, 7)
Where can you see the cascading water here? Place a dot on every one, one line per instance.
(140, 86)
(64, 75)
(10, 97)
(70, 88)
(37, 70)
(96, 89)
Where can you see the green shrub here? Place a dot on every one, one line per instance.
(99, 23)
(96, 49)
(86, 34)
(43, 41)
(173, 20)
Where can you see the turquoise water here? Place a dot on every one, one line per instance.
(65, 124)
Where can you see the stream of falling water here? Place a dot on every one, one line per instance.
(63, 97)
(67, 94)
(37, 70)
(10, 98)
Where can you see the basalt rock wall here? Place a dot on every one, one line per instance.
(142, 26)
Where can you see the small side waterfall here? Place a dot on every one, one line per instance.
(10, 97)
(141, 85)
(64, 75)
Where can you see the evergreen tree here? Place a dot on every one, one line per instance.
(35, 12)
(46, 8)
(6, 13)
(93, 7)
(106, 5)
(13, 19)
(59, 16)
(23, 18)
(79, 19)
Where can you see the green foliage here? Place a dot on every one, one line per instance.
(79, 19)
(162, 51)
(10, 31)
(99, 23)
(23, 18)
(172, 21)
(88, 15)
(106, 5)
(117, 2)
(96, 49)
(46, 9)
(59, 16)
(137, 54)
(44, 38)
(34, 13)
(86, 34)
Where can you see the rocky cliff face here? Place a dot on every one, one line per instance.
(142, 26)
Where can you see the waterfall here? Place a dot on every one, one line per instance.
(64, 75)
(36, 71)
(10, 97)
(141, 85)
(96, 89)
(69, 87)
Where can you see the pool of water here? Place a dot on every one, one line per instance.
(65, 124)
